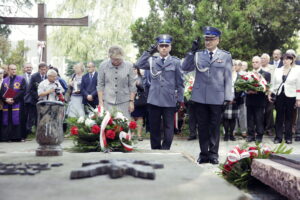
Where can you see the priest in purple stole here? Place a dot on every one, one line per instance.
(11, 120)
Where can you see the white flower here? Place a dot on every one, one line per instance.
(89, 122)
(80, 119)
(120, 115)
(96, 110)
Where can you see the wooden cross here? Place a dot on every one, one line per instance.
(42, 21)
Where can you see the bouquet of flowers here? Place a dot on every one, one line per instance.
(237, 167)
(189, 82)
(102, 131)
(251, 81)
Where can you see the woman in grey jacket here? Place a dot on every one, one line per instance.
(116, 83)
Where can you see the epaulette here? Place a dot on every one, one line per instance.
(175, 58)
(225, 51)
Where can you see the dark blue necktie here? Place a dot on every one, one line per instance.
(163, 60)
(210, 55)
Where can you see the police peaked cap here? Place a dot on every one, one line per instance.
(209, 31)
(164, 39)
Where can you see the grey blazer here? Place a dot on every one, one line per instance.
(213, 81)
(117, 83)
(166, 80)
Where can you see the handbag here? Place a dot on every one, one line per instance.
(140, 99)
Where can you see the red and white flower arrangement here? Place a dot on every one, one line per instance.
(237, 167)
(251, 81)
(103, 131)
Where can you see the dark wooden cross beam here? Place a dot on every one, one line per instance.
(42, 21)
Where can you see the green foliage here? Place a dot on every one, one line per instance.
(248, 27)
(108, 25)
(18, 56)
(71, 63)
(4, 48)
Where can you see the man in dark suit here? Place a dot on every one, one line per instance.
(27, 68)
(35, 79)
(88, 86)
(256, 102)
(277, 61)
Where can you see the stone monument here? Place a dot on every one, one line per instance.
(281, 172)
(49, 132)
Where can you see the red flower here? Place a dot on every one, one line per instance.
(253, 152)
(190, 88)
(227, 168)
(110, 134)
(110, 122)
(255, 85)
(74, 130)
(132, 125)
(118, 128)
(95, 129)
(245, 78)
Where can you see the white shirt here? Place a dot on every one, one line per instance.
(214, 52)
(45, 85)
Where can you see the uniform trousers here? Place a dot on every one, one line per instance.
(255, 121)
(155, 115)
(284, 116)
(209, 119)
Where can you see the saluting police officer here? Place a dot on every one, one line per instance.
(165, 92)
(212, 88)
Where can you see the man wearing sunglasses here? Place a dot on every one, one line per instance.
(166, 90)
(212, 88)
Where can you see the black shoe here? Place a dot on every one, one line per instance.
(226, 137)
(277, 141)
(192, 138)
(297, 139)
(214, 161)
(232, 138)
(288, 141)
(250, 139)
(202, 160)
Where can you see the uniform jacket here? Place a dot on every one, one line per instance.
(166, 88)
(33, 87)
(116, 83)
(214, 86)
(291, 85)
(259, 99)
(89, 88)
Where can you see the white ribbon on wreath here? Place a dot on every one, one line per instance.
(122, 134)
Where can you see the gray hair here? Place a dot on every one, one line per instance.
(116, 52)
(256, 57)
(51, 72)
(265, 55)
(27, 64)
(81, 65)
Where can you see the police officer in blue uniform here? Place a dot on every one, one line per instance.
(166, 90)
(212, 88)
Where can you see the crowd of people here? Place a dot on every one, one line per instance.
(151, 91)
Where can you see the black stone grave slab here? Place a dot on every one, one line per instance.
(291, 160)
